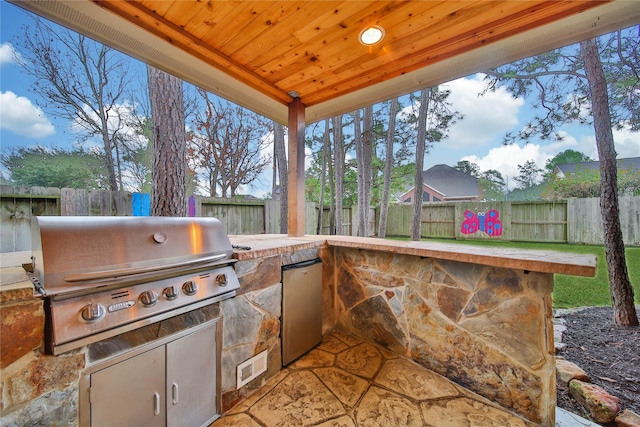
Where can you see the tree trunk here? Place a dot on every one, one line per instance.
(358, 141)
(332, 191)
(281, 155)
(326, 158)
(367, 163)
(168, 196)
(624, 310)
(213, 183)
(384, 203)
(421, 142)
(274, 178)
(338, 155)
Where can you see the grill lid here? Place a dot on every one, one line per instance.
(77, 254)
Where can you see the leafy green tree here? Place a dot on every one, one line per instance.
(563, 158)
(532, 193)
(392, 150)
(42, 167)
(527, 174)
(400, 168)
(581, 184)
(586, 183)
(468, 167)
(629, 182)
(492, 185)
(594, 83)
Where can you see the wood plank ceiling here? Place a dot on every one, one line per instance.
(311, 47)
(257, 53)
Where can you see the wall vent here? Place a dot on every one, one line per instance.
(251, 369)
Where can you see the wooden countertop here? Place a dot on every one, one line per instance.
(264, 245)
(15, 285)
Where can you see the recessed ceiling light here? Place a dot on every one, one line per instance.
(371, 35)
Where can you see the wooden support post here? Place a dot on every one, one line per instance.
(296, 199)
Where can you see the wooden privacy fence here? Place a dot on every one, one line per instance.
(574, 221)
(520, 221)
(349, 222)
(18, 205)
(250, 216)
(585, 224)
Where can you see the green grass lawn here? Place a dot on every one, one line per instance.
(574, 291)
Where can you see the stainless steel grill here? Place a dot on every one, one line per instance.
(102, 276)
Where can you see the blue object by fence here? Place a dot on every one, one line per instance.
(192, 206)
(141, 204)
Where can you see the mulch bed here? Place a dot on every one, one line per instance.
(609, 354)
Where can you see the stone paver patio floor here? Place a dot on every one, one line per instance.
(345, 382)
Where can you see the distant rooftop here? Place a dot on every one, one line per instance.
(571, 168)
(450, 182)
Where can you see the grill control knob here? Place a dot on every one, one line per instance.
(221, 279)
(170, 293)
(92, 312)
(190, 287)
(148, 298)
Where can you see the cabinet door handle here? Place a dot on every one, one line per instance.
(174, 390)
(156, 403)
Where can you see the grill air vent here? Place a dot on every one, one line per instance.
(120, 294)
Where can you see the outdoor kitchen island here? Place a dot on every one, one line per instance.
(480, 317)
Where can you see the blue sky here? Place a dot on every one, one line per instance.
(477, 138)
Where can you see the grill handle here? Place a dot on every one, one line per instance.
(120, 272)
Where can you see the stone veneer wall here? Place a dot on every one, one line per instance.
(251, 321)
(488, 329)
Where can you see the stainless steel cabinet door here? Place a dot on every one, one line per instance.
(191, 379)
(130, 393)
(301, 310)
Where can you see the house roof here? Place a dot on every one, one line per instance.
(571, 168)
(262, 54)
(450, 182)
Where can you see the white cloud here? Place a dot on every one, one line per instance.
(485, 117)
(506, 159)
(20, 116)
(627, 144)
(7, 54)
